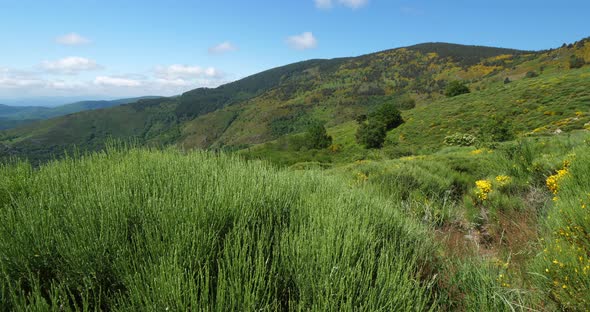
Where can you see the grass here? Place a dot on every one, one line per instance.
(145, 230)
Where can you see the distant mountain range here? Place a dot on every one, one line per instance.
(12, 116)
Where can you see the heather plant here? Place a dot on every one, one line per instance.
(162, 230)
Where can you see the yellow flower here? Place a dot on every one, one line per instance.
(484, 187)
(503, 180)
(553, 181)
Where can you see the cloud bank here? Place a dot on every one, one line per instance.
(303, 41)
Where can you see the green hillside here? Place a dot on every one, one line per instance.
(283, 101)
(12, 116)
(215, 200)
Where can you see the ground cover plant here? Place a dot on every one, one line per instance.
(142, 230)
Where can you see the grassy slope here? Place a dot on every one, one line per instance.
(534, 106)
(149, 230)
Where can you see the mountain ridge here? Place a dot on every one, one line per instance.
(280, 101)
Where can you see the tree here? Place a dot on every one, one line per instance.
(576, 62)
(388, 115)
(316, 136)
(455, 88)
(371, 134)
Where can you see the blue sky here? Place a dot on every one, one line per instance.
(109, 49)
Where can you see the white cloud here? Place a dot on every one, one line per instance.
(108, 81)
(223, 48)
(11, 79)
(353, 4)
(72, 39)
(70, 65)
(323, 4)
(303, 41)
(176, 71)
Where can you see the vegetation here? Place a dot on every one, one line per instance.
(12, 116)
(316, 136)
(372, 133)
(404, 200)
(576, 62)
(142, 230)
(456, 88)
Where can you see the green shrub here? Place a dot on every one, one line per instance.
(460, 139)
(316, 136)
(531, 74)
(148, 230)
(371, 134)
(576, 62)
(455, 88)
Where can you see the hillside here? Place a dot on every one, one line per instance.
(12, 116)
(282, 101)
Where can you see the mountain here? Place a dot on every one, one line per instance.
(11, 116)
(281, 102)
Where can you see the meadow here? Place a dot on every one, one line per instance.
(129, 228)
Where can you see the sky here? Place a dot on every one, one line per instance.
(112, 49)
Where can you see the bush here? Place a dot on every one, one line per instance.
(531, 74)
(455, 88)
(498, 130)
(460, 139)
(388, 115)
(371, 134)
(576, 62)
(316, 136)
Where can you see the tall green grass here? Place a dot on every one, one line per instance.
(160, 230)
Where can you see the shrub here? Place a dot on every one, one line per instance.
(455, 88)
(371, 134)
(388, 115)
(460, 139)
(498, 130)
(316, 136)
(576, 62)
(531, 74)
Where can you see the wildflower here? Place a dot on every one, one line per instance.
(553, 181)
(503, 180)
(484, 187)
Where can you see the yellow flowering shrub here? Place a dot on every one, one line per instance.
(484, 187)
(553, 180)
(503, 180)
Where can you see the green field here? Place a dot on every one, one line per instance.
(215, 200)
(137, 229)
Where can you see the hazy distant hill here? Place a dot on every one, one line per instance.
(11, 116)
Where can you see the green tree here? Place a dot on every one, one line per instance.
(371, 134)
(455, 88)
(388, 115)
(316, 136)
